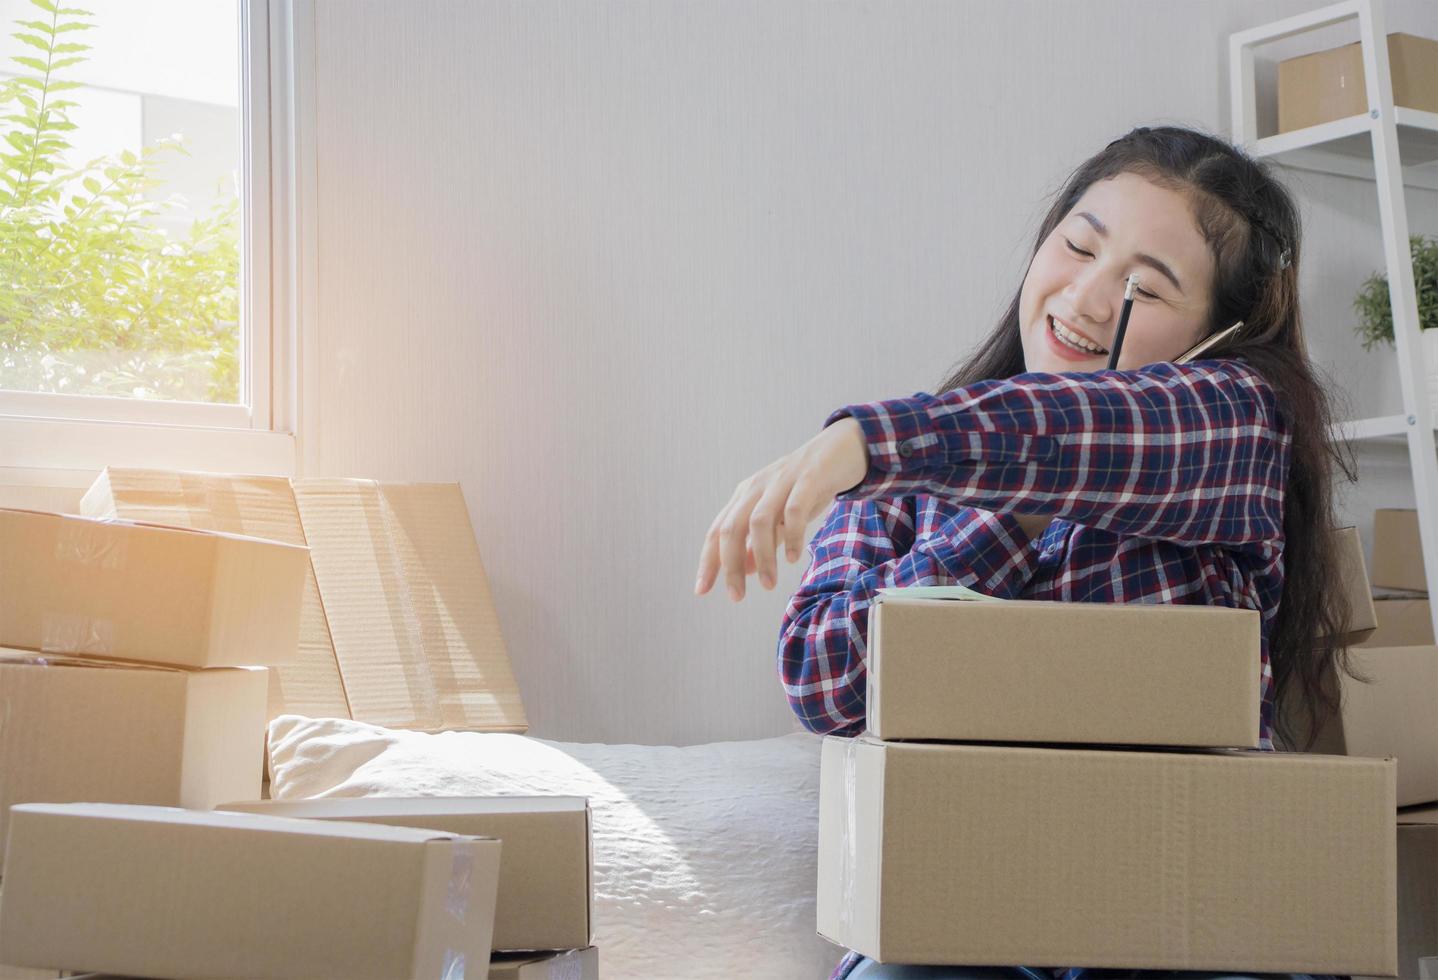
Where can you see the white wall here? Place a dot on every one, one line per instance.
(600, 262)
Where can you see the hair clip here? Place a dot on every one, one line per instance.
(1283, 259)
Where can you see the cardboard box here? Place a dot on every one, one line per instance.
(1417, 889)
(261, 506)
(546, 879)
(1179, 860)
(1353, 579)
(1402, 622)
(162, 892)
(572, 964)
(1031, 671)
(142, 592)
(1398, 551)
(1391, 714)
(402, 594)
(1328, 85)
(127, 733)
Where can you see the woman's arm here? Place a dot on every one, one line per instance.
(1191, 453)
(865, 545)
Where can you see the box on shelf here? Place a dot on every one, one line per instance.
(1032, 671)
(1327, 85)
(401, 629)
(1388, 714)
(571, 964)
(74, 730)
(546, 879)
(130, 591)
(1402, 622)
(157, 891)
(1177, 860)
(1397, 551)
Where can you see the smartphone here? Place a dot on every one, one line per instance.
(1208, 343)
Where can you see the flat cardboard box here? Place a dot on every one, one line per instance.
(402, 594)
(546, 878)
(1353, 579)
(1032, 671)
(260, 506)
(1391, 714)
(163, 892)
(1397, 551)
(130, 591)
(1127, 858)
(571, 964)
(1402, 622)
(75, 731)
(1328, 85)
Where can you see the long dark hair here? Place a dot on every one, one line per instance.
(1251, 224)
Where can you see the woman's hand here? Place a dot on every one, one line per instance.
(779, 501)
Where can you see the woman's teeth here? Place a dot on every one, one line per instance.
(1071, 339)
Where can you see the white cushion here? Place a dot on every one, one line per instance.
(704, 855)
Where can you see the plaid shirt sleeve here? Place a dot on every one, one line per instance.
(1193, 453)
(865, 545)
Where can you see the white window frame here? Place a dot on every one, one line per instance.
(84, 433)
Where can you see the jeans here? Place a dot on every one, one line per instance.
(868, 969)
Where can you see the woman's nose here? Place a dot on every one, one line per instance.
(1092, 293)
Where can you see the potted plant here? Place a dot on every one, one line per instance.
(1375, 312)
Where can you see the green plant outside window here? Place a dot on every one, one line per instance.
(94, 298)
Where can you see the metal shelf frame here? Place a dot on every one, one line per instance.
(1400, 143)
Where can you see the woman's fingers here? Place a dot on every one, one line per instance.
(709, 554)
(734, 536)
(764, 524)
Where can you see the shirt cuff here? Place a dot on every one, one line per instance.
(899, 447)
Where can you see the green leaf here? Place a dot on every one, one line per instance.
(37, 25)
(128, 158)
(92, 185)
(71, 46)
(33, 63)
(33, 41)
(64, 63)
(45, 5)
(73, 26)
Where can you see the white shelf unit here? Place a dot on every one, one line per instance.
(1393, 147)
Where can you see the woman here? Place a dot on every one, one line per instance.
(1036, 472)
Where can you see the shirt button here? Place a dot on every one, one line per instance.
(906, 449)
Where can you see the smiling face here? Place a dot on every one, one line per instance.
(1122, 225)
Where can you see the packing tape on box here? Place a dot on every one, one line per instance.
(461, 871)
(77, 634)
(453, 968)
(849, 853)
(569, 967)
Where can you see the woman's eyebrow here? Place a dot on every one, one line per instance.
(1143, 257)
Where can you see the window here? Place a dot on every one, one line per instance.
(136, 249)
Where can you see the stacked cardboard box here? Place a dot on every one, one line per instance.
(1392, 709)
(168, 892)
(133, 661)
(1070, 784)
(398, 627)
(545, 896)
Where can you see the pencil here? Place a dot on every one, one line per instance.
(1122, 321)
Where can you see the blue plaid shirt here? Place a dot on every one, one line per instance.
(1165, 484)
